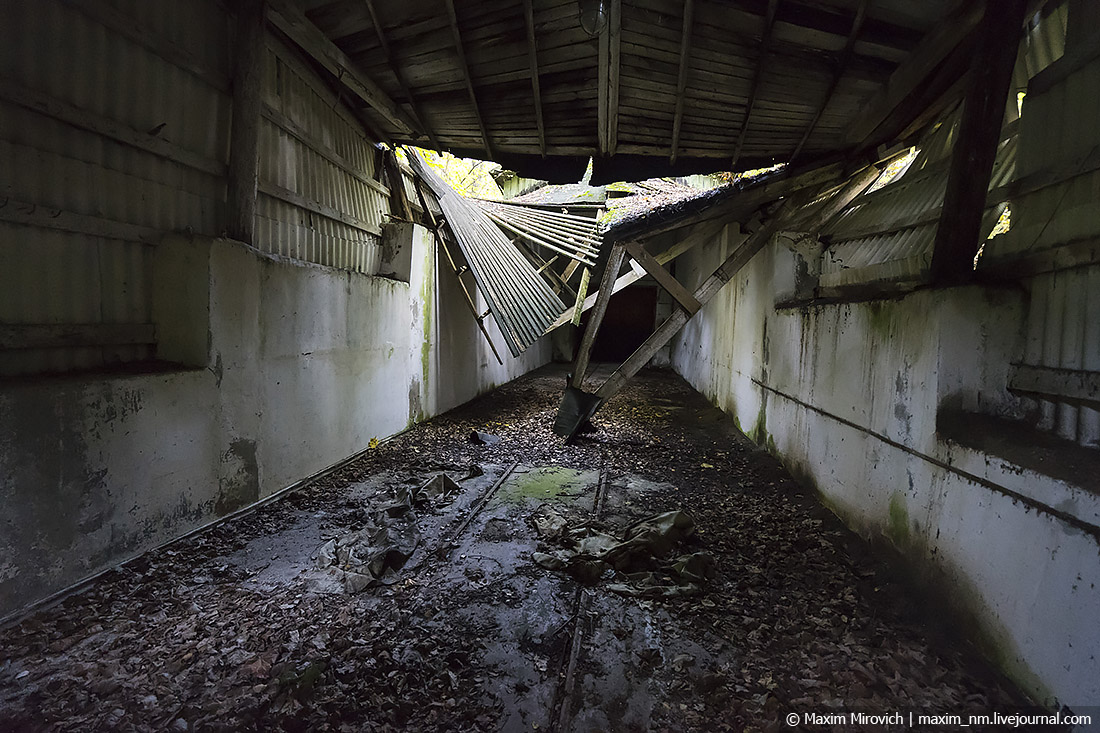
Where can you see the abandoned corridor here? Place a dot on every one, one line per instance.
(240, 626)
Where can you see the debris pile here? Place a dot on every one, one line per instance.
(648, 560)
(376, 553)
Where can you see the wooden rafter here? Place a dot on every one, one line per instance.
(418, 112)
(761, 62)
(913, 75)
(681, 80)
(464, 67)
(286, 16)
(533, 57)
(958, 235)
(841, 66)
(614, 42)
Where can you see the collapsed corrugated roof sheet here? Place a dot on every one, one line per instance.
(520, 300)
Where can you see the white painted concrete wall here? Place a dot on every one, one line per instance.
(294, 367)
(847, 396)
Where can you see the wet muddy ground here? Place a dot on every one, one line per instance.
(251, 624)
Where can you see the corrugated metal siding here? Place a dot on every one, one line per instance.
(73, 53)
(1062, 329)
(114, 119)
(888, 234)
(339, 223)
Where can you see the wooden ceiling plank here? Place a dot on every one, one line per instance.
(396, 68)
(842, 65)
(464, 67)
(285, 16)
(681, 80)
(761, 64)
(533, 56)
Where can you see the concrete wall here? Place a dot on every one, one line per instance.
(294, 367)
(848, 396)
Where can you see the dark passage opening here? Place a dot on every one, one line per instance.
(628, 323)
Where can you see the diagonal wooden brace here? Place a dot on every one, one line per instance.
(664, 278)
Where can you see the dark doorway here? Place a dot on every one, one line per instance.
(628, 323)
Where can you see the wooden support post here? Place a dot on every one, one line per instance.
(710, 287)
(399, 201)
(244, 139)
(959, 233)
(664, 278)
(611, 271)
(740, 257)
(582, 291)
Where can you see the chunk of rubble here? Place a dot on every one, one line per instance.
(647, 559)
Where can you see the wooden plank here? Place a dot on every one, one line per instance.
(296, 199)
(1070, 386)
(69, 335)
(582, 291)
(533, 62)
(664, 278)
(912, 75)
(285, 16)
(614, 24)
(959, 233)
(464, 67)
(611, 270)
(48, 217)
(682, 77)
(789, 212)
(244, 138)
(399, 73)
(603, 76)
(704, 293)
(399, 202)
(761, 65)
(842, 65)
(82, 119)
(698, 236)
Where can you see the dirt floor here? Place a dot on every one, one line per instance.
(275, 619)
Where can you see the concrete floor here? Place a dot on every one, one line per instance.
(242, 626)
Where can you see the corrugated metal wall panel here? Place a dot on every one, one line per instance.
(328, 170)
(100, 86)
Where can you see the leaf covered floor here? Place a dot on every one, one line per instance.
(237, 628)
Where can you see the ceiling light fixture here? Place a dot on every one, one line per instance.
(593, 16)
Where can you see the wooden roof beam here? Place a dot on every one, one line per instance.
(533, 59)
(285, 16)
(958, 235)
(912, 76)
(842, 65)
(681, 80)
(464, 67)
(418, 113)
(761, 62)
(614, 42)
